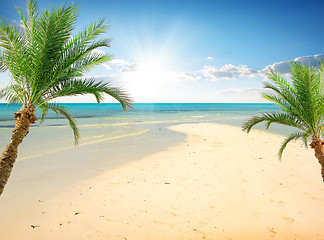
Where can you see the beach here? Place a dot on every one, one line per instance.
(128, 120)
(214, 183)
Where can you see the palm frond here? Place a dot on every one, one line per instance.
(121, 96)
(289, 138)
(46, 61)
(88, 86)
(41, 105)
(85, 36)
(282, 87)
(13, 94)
(64, 112)
(43, 115)
(83, 64)
(53, 30)
(284, 91)
(303, 99)
(320, 70)
(279, 101)
(309, 90)
(32, 12)
(13, 55)
(301, 103)
(10, 37)
(279, 118)
(75, 57)
(3, 66)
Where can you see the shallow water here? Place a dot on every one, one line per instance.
(48, 161)
(108, 123)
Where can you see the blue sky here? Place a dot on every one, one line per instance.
(198, 51)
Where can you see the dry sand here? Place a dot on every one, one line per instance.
(219, 184)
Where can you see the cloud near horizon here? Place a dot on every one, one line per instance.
(155, 86)
(283, 67)
(242, 91)
(119, 61)
(188, 77)
(219, 73)
(228, 71)
(132, 67)
(242, 94)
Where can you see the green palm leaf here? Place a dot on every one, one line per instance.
(269, 118)
(3, 66)
(291, 137)
(13, 94)
(47, 61)
(64, 112)
(300, 100)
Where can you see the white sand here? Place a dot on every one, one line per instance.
(219, 184)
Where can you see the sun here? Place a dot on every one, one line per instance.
(149, 69)
(147, 78)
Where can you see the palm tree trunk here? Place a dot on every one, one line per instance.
(318, 145)
(25, 117)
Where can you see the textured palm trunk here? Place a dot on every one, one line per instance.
(25, 117)
(318, 146)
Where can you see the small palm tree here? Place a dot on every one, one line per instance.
(46, 62)
(302, 106)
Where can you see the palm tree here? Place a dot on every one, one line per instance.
(46, 62)
(302, 106)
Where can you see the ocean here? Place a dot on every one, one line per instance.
(108, 123)
(110, 138)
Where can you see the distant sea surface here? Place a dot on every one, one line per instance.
(108, 123)
(112, 112)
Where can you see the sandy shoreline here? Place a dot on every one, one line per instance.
(218, 184)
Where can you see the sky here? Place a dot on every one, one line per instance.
(196, 51)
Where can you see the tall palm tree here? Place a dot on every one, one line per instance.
(45, 62)
(302, 106)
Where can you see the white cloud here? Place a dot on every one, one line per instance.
(242, 91)
(106, 66)
(310, 60)
(188, 77)
(283, 66)
(209, 58)
(129, 68)
(242, 95)
(97, 51)
(19, 23)
(228, 71)
(119, 61)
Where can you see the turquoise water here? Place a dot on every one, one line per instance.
(109, 138)
(108, 123)
(153, 110)
(146, 112)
